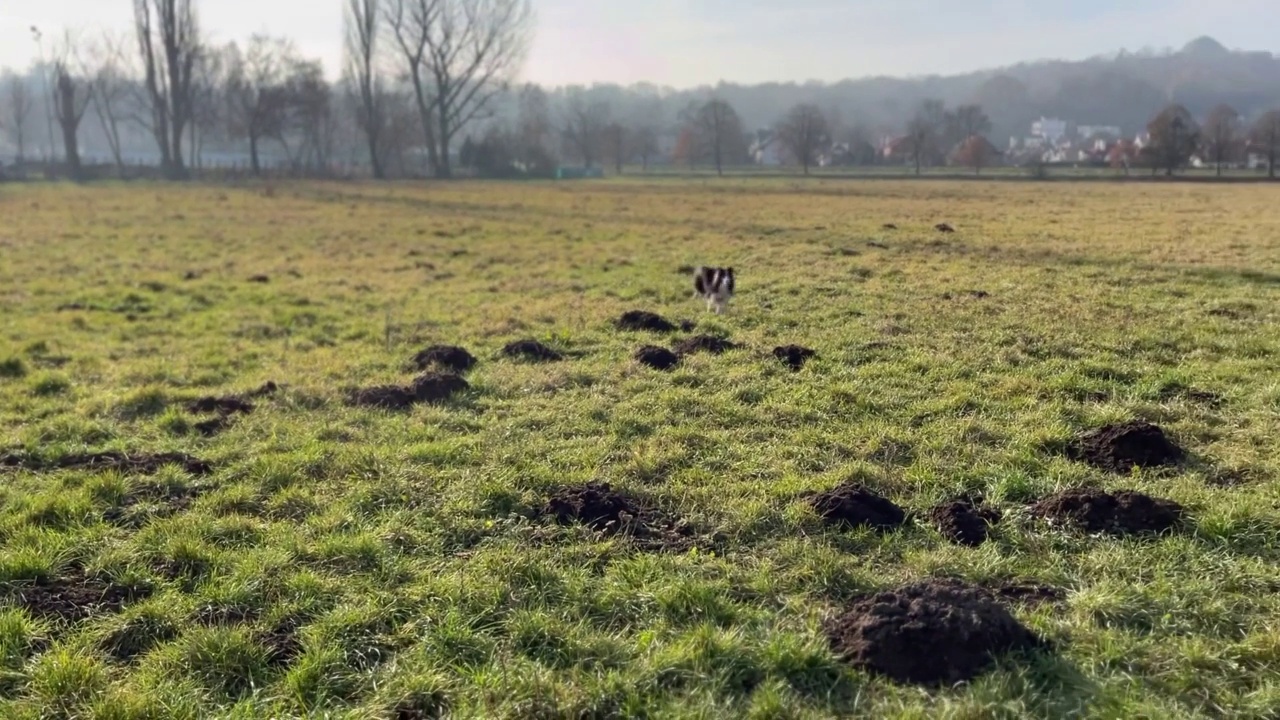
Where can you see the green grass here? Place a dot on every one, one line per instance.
(344, 562)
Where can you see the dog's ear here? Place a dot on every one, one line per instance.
(729, 271)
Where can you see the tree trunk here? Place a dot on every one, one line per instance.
(253, 156)
(374, 160)
(72, 147)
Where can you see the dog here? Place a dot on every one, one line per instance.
(715, 285)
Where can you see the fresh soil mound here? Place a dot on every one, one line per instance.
(888, 226)
(438, 387)
(944, 228)
(964, 521)
(611, 512)
(975, 294)
(657, 358)
(852, 505)
(384, 397)
(531, 350)
(260, 279)
(1124, 513)
(448, 357)
(704, 343)
(229, 405)
(72, 598)
(644, 321)
(213, 426)
(793, 356)
(688, 325)
(232, 404)
(936, 632)
(282, 642)
(141, 464)
(1120, 448)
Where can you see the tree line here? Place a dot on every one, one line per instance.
(428, 85)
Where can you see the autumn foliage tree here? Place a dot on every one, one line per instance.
(976, 152)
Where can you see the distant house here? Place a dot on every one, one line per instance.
(1091, 132)
(976, 151)
(1051, 129)
(765, 149)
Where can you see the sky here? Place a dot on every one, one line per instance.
(685, 43)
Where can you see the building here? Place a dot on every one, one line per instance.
(1089, 132)
(1051, 129)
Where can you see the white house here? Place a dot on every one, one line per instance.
(1051, 129)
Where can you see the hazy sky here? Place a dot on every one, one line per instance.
(690, 42)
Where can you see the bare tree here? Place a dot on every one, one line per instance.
(585, 123)
(478, 46)
(411, 22)
(617, 144)
(19, 101)
(309, 115)
(1221, 135)
(923, 132)
(209, 83)
(70, 101)
(110, 89)
(363, 22)
(965, 122)
(804, 133)
(534, 131)
(718, 131)
(1174, 138)
(1266, 135)
(258, 93)
(644, 144)
(168, 45)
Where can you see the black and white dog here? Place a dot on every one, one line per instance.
(715, 285)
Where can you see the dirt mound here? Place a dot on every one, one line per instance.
(644, 321)
(1120, 448)
(975, 294)
(688, 325)
(141, 464)
(657, 358)
(888, 226)
(793, 356)
(1096, 511)
(229, 405)
(704, 343)
(449, 357)
(437, 387)
(852, 505)
(611, 512)
(155, 501)
(936, 632)
(384, 397)
(531, 350)
(72, 598)
(213, 426)
(964, 521)
(944, 228)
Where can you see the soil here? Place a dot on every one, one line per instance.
(1027, 593)
(73, 598)
(229, 405)
(852, 505)
(688, 325)
(704, 343)
(793, 356)
(685, 269)
(611, 512)
(889, 226)
(936, 632)
(644, 321)
(975, 294)
(386, 397)
(1120, 448)
(282, 643)
(141, 464)
(152, 502)
(438, 387)
(964, 521)
(213, 426)
(259, 279)
(1096, 511)
(447, 357)
(877, 245)
(531, 350)
(657, 358)
(944, 228)
(191, 275)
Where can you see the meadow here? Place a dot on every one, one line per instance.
(316, 558)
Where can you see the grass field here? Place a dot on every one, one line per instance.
(340, 561)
